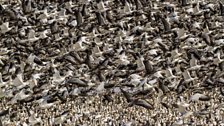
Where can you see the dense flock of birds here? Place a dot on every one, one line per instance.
(111, 62)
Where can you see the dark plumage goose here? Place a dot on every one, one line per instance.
(27, 6)
(4, 112)
(221, 66)
(142, 103)
(206, 38)
(109, 16)
(108, 98)
(27, 100)
(144, 2)
(88, 61)
(61, 97)
(101, 76)
(54, 27)
(165, 105)
(11, 13)
(138, 4)
(149, 15)
(38, 61)
(183, 2)
(102, 64)
(221, 91)
(76, 56)
(77, 82)
(109, 85)
(205, 98)
(1, 122)
(166, 24)
(127, 95)
(143, 92)
(2, 8)
(195, 52)
(84, 11)
(163, 87)
(221, 7)
(70, 59)
(207, 14)
(148, 67)
(79, 17)
(100, 18)
(169, 8)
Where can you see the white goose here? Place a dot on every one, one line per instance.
(123, 59)
(135, 79)
(169, 74)
(219, 42)
(57, 78)
(196, 25)
(107, 47)
(118, 39)
(33, 120)
(198, 96)
(31, 58)
(2, 93)
(182, 106)
(60, 120)
(195, 10)
(45, 105)
(178, 70)
(2, 83)
(175, 54)
(5, 28)
(127, 8)
(206, 29)
(187, 77)
(148, 84)
(98, 41)
(62, 14)
(182, 33)
(159, 74)
(57, 37)
(153, 52)
(69, 5)
(100, 88)
(31, 36)
(43, 17)
(18, 81)
(148, 27)
(66, 32)
(101, 7)
(78, 46)
(96, 51)
(193, 63)
(140, 63)
(43, 34)
(218, 59)
(73, 23)
(20, 96)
